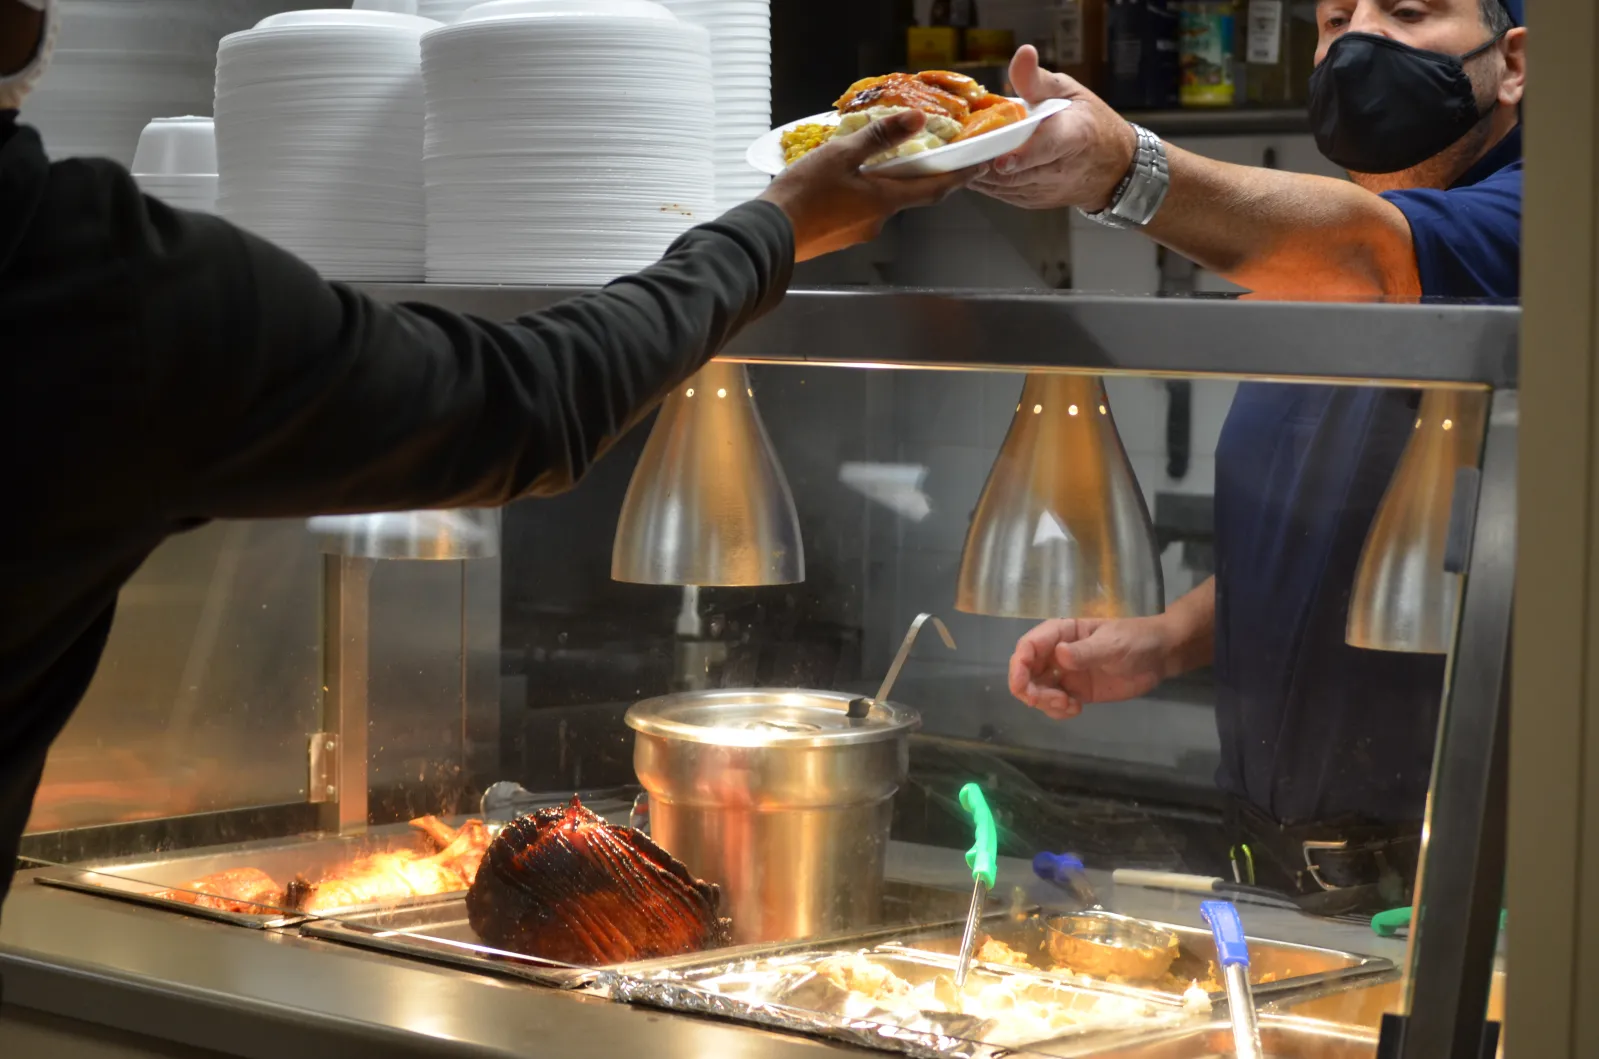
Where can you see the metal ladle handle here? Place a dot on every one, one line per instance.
(905, 651)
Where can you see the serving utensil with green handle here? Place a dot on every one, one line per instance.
(983, 859)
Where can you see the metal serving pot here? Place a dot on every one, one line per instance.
(782, 797)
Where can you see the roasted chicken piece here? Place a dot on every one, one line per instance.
(373, 879)
(988, 99)
(383, 878)
(461, 850)
(246, 890)
(441, 833)
(955, 84)
(860, 86)
(563, 884)
(902, 90)
(1006, 112)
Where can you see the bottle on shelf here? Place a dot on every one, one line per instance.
(1079, 41)
(1207, 54)
(1141, 58)
(1278, 48)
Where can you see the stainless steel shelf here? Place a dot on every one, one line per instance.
(1224, 121)
(1102, 334)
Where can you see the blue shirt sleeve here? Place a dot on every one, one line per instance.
(1468, 239)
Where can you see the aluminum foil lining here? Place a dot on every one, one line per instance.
(932, 1042)
(926, 1033)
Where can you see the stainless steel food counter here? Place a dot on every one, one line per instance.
(112, 966)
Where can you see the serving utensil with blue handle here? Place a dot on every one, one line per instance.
(1066, 871)
(1232, 952)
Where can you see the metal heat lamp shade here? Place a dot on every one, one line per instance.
(1062, 529)
(457, 534)
(1403, 598)
(708, 503)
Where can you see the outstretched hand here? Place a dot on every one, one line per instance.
(833, 204)
(1062, 664)
(1074, 158)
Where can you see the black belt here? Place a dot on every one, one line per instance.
(1329, 868)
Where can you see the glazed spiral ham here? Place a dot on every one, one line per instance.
(563, 884)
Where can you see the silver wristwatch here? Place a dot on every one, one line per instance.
(1142, 190)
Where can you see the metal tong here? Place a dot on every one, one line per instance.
(1232, 952)
(983, 859)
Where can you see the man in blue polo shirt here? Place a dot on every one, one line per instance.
(1321, 742)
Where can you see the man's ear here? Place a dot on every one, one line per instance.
(1514, 84)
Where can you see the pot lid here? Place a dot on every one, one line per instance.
(771, 717)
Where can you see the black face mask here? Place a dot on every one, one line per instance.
(1379, 106)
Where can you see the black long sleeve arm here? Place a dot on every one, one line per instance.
(158, 368)
(285, 394)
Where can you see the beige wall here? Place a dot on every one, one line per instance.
(1554, 750)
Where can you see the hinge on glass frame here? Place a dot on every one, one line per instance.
(322, 784)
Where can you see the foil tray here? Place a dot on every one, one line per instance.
(761, 991)
(139, 880)
(439, 932)
(1277, 969)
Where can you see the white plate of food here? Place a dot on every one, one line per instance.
(966, 124)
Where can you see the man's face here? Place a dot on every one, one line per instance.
(1453, 27)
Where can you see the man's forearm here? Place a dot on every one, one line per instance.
(1285, 233)
(1276, 233)
(1193, 623)
(331, 402)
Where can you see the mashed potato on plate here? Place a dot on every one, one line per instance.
(938, 131)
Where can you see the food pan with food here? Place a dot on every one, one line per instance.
(272, 884)
(901, 1001)
(1104, 947)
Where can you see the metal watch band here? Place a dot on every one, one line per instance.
(1139, 196)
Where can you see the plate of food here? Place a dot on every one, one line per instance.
(966, 124)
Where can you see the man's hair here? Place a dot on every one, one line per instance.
(1495, 17)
